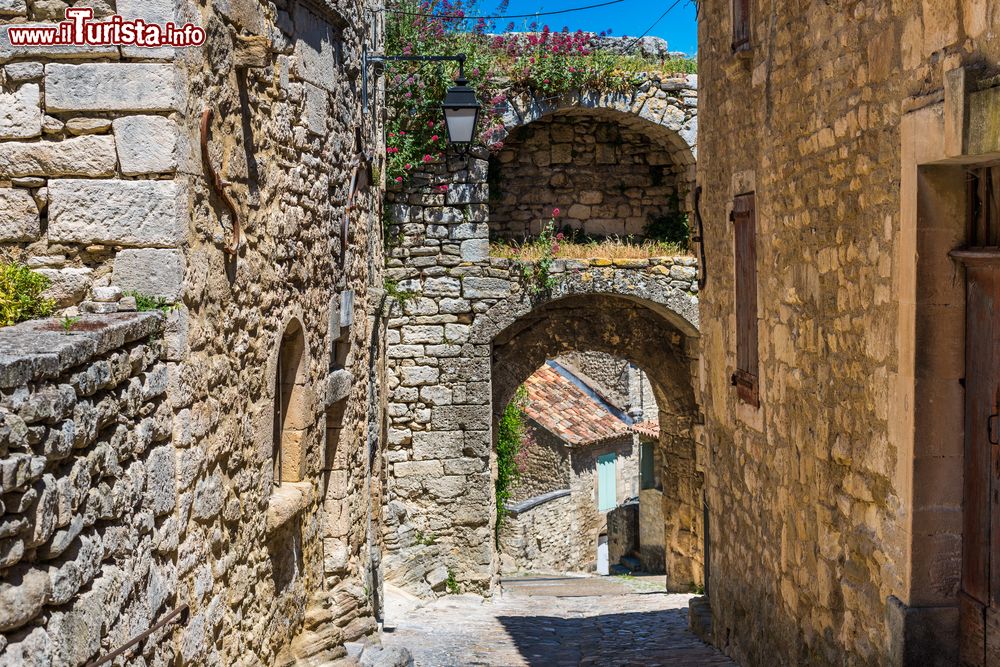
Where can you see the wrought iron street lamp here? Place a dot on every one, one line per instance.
(461, 108)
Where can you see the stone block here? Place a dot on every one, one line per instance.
(21, 113)
(128, 213)
(112, 87)
(19, 220)
(422, 334)
(68, 286)
(485, 288)
(414, 376)
(437, 444)
(151, 11)
(418, 469)
(461, 418)
(80, 156)
(445, 286)
(13, 8)
(146, 144)
(151, 272)
(23, 593)
(9, 52)
(316, 109)
(475, 250)
(84, 126)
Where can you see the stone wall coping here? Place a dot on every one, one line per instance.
(40, 349)
(531, 503)
(605, 262)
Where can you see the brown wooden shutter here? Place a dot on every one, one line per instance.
(741, 25)
(745, 222)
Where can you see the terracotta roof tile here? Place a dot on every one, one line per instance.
(566, 411)
(648, 428)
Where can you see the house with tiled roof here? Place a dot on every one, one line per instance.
(580, 459)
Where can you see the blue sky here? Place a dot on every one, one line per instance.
(630, 17)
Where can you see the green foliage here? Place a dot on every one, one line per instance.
(452, 583)
(145, 303)
(68, 323)
(670, 228)
(499, 66)
(537, 273)
(400, 296)
(426, 540)
(509, 437)
(697, 589)
(21, 294)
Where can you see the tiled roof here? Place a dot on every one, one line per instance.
(566, 411)
(649, 428)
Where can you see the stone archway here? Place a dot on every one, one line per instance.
(454, 301)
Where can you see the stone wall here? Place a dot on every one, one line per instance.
(617, 380)
(836, 507)
(652, 545)
(543, 464)
(106, 146)
(539, 536)
(88, 496)
(606, 178)
(623, 532)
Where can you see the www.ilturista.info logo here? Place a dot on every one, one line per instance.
(79, 29)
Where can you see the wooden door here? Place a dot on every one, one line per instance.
(979, 600)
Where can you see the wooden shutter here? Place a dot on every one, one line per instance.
(744, 219)
(741, 25)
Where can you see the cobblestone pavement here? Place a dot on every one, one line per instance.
(553, 622)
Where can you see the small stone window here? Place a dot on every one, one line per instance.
(290, 410)
(741, 25)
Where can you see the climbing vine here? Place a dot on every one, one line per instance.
(509, 437)
(498, 66)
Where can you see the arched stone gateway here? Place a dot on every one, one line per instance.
(466, 329)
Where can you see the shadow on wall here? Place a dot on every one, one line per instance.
(640, 638)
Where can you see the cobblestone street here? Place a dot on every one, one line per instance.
(552, 622)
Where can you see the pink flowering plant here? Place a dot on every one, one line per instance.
(500, 65)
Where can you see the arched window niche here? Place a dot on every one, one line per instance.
(291, 491)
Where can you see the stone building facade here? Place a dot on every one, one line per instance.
(218, 179)
(841, 530)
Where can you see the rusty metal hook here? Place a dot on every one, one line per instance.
(218, 184)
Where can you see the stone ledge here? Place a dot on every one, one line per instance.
(39, 349)
(287, 501)
(338, 386)
(531, 503)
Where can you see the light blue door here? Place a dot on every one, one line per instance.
(607, 488)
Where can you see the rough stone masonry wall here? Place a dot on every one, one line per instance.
(543, 464)
(606, 178)
(544, 538)
(809, 520)
(105, 144)
(88, 541)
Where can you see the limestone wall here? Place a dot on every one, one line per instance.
(836, 507)
(88, 493)
(544, 538)
(607, 179)
(106, 145)
(652, 545)
(543, 464)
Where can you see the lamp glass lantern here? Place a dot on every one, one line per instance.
(461, 112)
